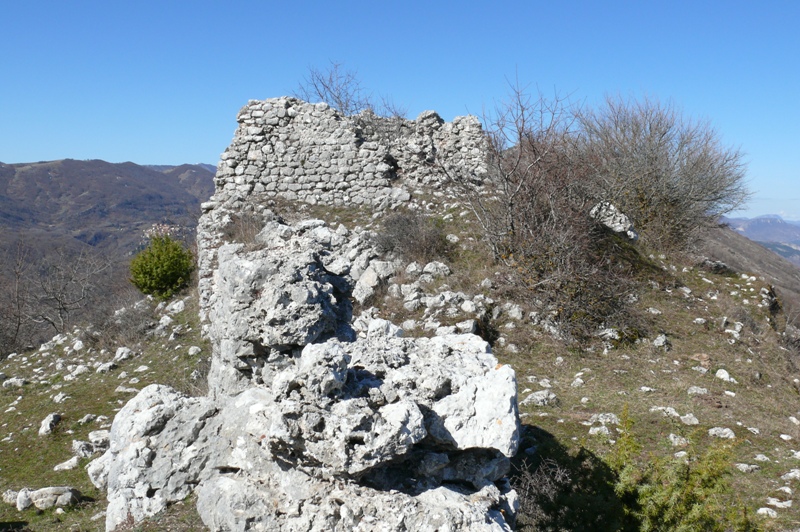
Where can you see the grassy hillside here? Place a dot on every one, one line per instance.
(654, 395)
(160, 341)
(103, 205)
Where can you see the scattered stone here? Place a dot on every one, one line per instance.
(60, 397)
(414, 269)
(689, 419)
(14, 382)
(678, 441)
(56, 496)
(437, 269)
(123, 354)
(662, 342)
(794, 474)
(696, 390)
(48, 424)
(723, 374)
(540, 398)
(10, 497)
(72, 463)
(767, 512)
(777, 503)
(720, 432)
(106, 367)
(383, 328)
(24, 499)
(747, 468)
(175, 307)
(83, 449)
(604, 419)
(194, 350)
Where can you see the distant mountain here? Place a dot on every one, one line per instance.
(745, 255)
(96, 203)
(771, 231)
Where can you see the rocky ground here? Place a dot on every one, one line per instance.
(712, 367)
(343, 383)
(60, 399)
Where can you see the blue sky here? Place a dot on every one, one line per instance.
(161, 82)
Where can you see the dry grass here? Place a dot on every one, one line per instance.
(763, 399)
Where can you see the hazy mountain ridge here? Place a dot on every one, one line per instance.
(771, 231)
(101, 204)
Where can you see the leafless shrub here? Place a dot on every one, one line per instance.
(243, 228)
(337, 86)
(341, 88)
(43, 295)
(129, 323)
(539, 489)
(533, 206)
(671, 175)
(413, 236)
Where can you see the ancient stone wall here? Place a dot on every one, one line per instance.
(310, 152)
(287, 148)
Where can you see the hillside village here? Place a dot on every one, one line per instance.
(399, 382)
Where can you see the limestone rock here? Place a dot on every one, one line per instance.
(314, 422)
(48, 424)
(607, 214)
(72, 463)
(45, 498)
(721, 432)
(540, 398)
(56, 496)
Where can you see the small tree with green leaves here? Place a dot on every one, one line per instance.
(162, 268)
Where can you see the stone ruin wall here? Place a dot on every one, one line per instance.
(310, 152)
(287, 148)
(315, 420)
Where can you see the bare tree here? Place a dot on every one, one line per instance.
(66, 285)
(15, 330)
(341, 89)
(670, 175)
(338, 87)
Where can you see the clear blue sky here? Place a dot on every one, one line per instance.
(160, 82)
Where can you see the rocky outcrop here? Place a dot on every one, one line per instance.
(315, 421)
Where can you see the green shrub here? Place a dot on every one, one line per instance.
(162, 268)
(689, 494)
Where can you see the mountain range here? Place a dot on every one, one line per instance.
(107, 206)
(771, 231)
